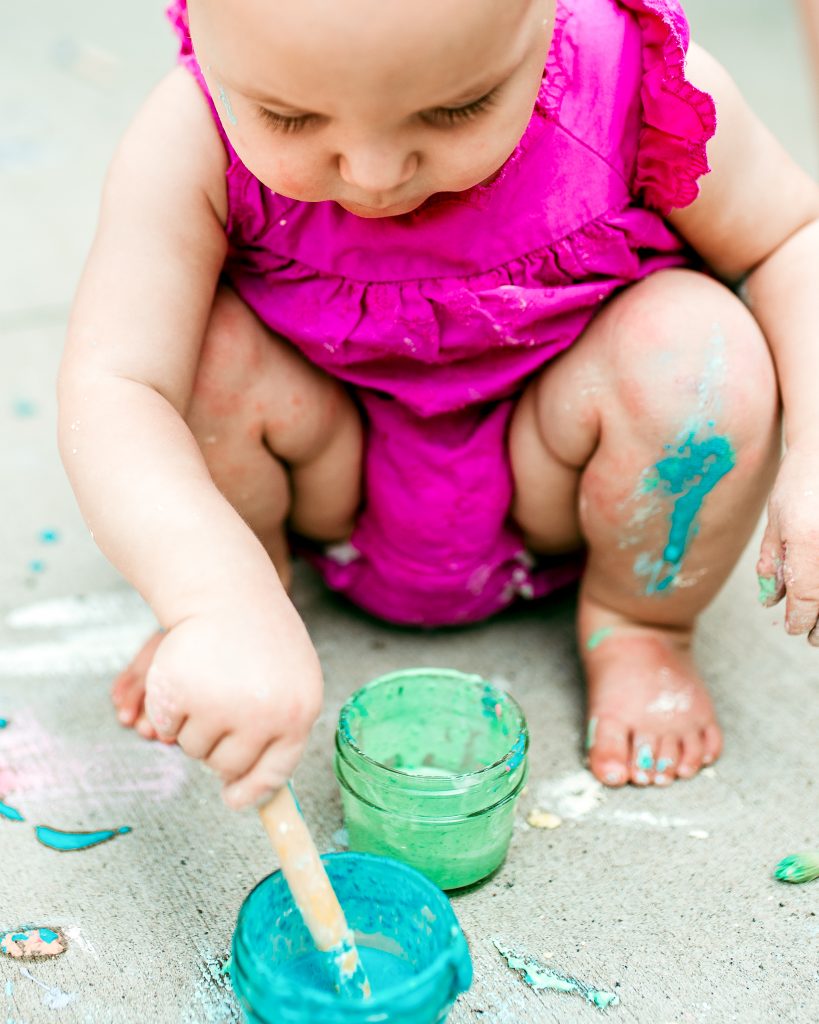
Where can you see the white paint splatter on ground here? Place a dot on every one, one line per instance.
(215, 1001)
(76, 937)
(571, 797)
(644, 819)
(53, 997)
(96, 634)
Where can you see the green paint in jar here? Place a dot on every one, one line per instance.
(431, 763)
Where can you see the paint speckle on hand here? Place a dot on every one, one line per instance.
(541, 977)
(65, 842)
(33, 943)
(798, 868)
(538, 818)
(768, 588)
(598, 637)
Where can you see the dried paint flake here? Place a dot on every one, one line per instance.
(29, 943)
(541, 977)
(538, 818)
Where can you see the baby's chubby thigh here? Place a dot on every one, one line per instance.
(673, 370)
(282, 439)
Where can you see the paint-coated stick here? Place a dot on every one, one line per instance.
(312, 891)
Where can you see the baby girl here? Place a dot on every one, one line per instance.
(444, 296)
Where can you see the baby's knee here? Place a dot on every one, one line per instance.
(687, 355)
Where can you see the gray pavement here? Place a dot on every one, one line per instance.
(690, 927)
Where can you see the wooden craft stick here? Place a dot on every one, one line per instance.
(312, 892)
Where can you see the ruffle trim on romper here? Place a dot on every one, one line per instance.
(677, 119)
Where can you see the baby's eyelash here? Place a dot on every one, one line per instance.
(457, 115)
(283, 123)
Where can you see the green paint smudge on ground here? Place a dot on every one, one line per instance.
(798, 868)
(541, 977)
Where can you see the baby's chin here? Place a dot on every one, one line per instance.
(374, 213)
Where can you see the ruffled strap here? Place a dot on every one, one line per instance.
(677, 119)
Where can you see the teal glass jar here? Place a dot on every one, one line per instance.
(431, 763)
(409, 939)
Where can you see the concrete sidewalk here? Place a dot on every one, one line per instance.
(666, 895)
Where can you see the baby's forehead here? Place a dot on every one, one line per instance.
(308, 48)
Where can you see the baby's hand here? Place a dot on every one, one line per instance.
(789, 559)
(238, 688)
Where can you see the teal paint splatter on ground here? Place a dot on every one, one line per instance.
(767, 589)
(541, 977)
(67, 841)
(36, 565)
(10, 813)
(3, 723)
(645, 759)
(798, 868)
(598, 637)
(49, 536)
(23, 408)
(591, 733)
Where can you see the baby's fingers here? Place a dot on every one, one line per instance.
(769, 567)
(161, 706)
(270, 772)
(233, 757)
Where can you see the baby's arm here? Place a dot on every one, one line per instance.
(235, 678)
(757, 218)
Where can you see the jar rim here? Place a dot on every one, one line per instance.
(380, 1001)
(344, 736)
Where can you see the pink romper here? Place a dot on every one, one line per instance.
(438, 319)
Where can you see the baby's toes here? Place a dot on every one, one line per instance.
(668, 758)
(691, 757)
(609, 755)
(643, 758)
(711, 743)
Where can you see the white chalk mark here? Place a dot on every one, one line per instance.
(54, 997)
(74, 935)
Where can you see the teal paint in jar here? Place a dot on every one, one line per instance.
(431, 763)
(408, 937)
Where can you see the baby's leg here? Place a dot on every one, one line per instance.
(655, 438)
(282, 441)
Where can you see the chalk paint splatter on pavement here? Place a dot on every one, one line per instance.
(53, 997)
(10, 813)
(542, 977)
(66, 842)
(29, 943)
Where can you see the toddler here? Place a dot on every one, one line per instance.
(444, 296)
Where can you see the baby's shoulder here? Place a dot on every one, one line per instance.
(173, 145)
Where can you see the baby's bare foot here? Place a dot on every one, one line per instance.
(651, 719)
(128, 690)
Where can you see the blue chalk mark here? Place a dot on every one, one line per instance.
(23, 408)
(645, 759)
(49, 536)
(55, 839)
(10, 813)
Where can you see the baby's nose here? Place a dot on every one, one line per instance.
(376, 170)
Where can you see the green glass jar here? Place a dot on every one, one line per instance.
(431, 763)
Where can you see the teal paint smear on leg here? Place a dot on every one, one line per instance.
(591, 733)
(645, 759)
(767, 589)
(539, 976)
(67, 841)
(688, 475)
(10, 813)
(598, 637)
